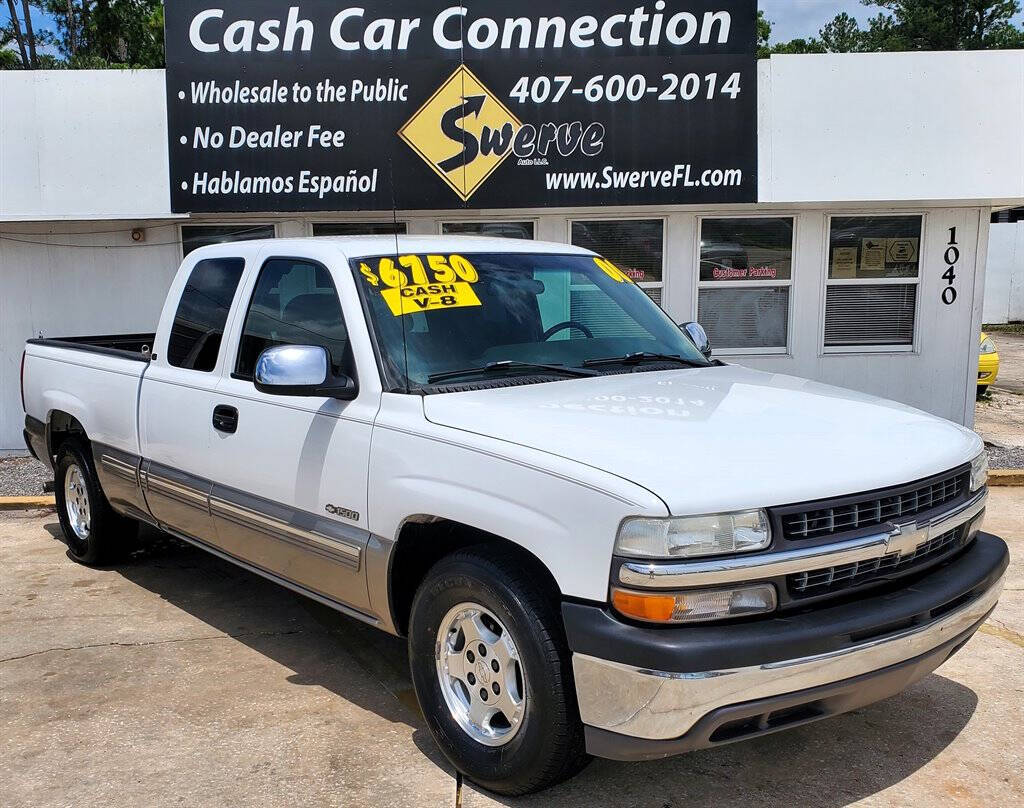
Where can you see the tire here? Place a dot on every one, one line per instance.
(94, 532)
(982, 390)
(491, 587)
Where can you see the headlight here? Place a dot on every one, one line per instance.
(987, 345)
(691, 536)
(979, 471)
(695, 606)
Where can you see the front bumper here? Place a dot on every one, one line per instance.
(648, 692)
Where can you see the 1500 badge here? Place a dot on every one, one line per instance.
(345, 513)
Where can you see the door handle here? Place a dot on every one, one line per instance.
(225, 418)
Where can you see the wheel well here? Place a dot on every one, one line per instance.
(62, 426)
(425, 541)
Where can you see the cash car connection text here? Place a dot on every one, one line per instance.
(452, 29)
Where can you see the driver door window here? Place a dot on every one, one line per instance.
(294, 303)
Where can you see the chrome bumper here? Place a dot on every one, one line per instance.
(903, 539)
(662, 705)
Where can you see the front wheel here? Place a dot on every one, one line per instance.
(493, 674)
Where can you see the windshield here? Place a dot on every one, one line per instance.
(433, 315)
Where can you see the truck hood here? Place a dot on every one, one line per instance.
(717, 438)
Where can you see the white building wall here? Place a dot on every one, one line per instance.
(108, 285)
(1004, 274)
(83, 144)
(889, 126)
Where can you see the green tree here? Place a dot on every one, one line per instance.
(20, 31)
(907, 25)
(842, 35)
(812, 45)
(110, 33)
(9, 58)
(942, 25)
(90, 34)
(764, 33)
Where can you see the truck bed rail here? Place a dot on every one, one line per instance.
(126, 346)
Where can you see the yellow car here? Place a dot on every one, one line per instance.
(988, 363)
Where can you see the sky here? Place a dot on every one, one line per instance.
(791, 19)
(802, 19)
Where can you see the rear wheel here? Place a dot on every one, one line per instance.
(493, 674)
(94, 532)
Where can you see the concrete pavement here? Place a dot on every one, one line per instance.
(1011, 361)
(179, 679)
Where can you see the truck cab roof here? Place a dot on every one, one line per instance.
(359, 246)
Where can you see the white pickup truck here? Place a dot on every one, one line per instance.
(597, 540)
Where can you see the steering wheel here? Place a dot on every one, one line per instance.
(564, 325)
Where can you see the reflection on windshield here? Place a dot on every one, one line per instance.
(435, 314)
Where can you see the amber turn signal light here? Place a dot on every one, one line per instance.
(643, 606)
(695, 605)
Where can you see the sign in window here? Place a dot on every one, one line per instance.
(746, 270)
(873, 275)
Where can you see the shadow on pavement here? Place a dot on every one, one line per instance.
(321, 647)
(827, 764)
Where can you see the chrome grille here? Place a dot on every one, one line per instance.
(831, 579)
(873, 509)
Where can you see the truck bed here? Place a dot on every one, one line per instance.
(127, 346)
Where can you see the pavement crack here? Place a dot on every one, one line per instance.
(239, 635)
(995, 629)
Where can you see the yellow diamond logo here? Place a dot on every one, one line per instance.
(463, 132)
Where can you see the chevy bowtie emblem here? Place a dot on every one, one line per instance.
(906, 537)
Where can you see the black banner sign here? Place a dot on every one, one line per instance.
(419, 104)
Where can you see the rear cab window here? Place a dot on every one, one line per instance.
(198, 326)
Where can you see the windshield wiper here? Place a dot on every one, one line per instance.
(637, 357)
(506, 365)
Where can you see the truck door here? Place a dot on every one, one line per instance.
(290, 487)
(177, 399)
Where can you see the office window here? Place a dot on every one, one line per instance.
(358, 228)
(198, 324)
(746, 270)
(496, 229)
(873, 275)
(194, 236)
(636, 246)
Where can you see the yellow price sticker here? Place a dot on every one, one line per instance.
(612, 271)
(423, 282)
(409, 299)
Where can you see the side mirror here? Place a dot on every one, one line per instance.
(698, 336)
(301, 370)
